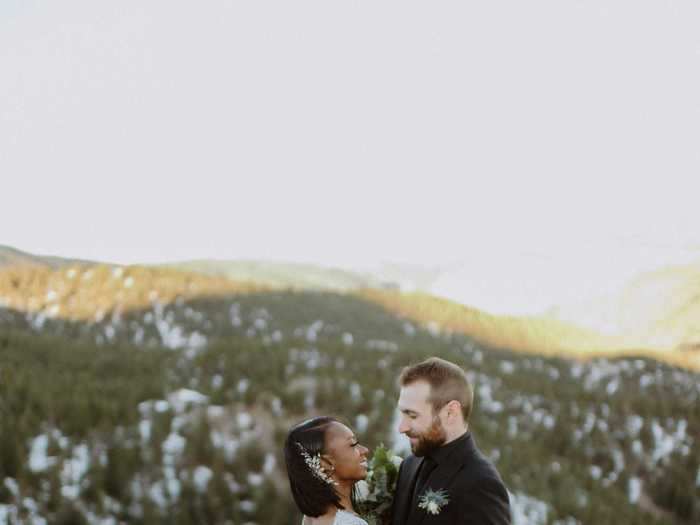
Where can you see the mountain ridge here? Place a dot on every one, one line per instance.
(10, 256)
(74, 289)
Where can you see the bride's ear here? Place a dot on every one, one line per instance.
(327, 463)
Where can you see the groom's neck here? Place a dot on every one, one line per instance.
(455, 433)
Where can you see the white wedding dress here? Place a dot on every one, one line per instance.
(343, 517)
(348, 518)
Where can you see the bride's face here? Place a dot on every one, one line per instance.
(346, 455)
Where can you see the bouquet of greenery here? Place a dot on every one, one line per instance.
(376, 493)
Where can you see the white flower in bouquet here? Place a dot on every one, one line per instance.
(362, 490)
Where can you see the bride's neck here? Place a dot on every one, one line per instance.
(345, 491)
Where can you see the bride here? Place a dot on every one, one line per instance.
(324, 461)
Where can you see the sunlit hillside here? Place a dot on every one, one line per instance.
(666, 302)
(12, 257)
(88, 293)
(536, 335)
(284, 275)
(661, 308)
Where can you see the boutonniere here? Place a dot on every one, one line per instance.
(432, 501)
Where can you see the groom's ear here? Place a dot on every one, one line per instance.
(454, 410)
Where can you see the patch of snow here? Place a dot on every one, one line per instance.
(243, 385)
(173, 446)
(637, 447)
(526, 510)
(313, 330)
(379, 344)
(361, 423)
(486, 400)
(38, 454)
(228, 445)
(247, 506)
(172, 483)
(184, 398)
(270, 463)
(157, 494)
(355, 392)
(664, 443)
(244, 420)
(38, 321)
(507, 367)
(512, 426)
(634, 425)
(618, 460)
(215, 411)
(70, 491)
(235, 315)
(255, 479)
(145, 430)
(12, 485)
(634, 489)
(8, 514)
(612, 386)
(201, 477)
(73, 471)
(276, 405)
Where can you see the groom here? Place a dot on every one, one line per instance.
(435, 403)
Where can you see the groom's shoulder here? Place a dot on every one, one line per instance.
(478, 468)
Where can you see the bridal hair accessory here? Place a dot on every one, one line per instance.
(314, 464)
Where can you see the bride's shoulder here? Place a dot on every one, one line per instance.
(348, 518)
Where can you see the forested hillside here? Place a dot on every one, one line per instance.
(175, 412)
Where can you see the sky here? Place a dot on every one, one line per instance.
(535, 149)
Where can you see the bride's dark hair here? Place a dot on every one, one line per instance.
(312, 495)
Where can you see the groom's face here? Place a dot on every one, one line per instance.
(421, 425)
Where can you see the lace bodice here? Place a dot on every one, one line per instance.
(343, 517)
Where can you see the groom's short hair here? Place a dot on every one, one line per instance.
(447, 382)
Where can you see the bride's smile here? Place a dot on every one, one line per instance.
(346, 456)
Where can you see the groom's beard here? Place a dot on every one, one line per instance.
(429, 440)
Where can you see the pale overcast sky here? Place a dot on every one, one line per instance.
(349, 133)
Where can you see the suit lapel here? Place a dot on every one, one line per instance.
(441, 479)
(402, 505)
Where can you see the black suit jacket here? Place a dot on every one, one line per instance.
(477, 495)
